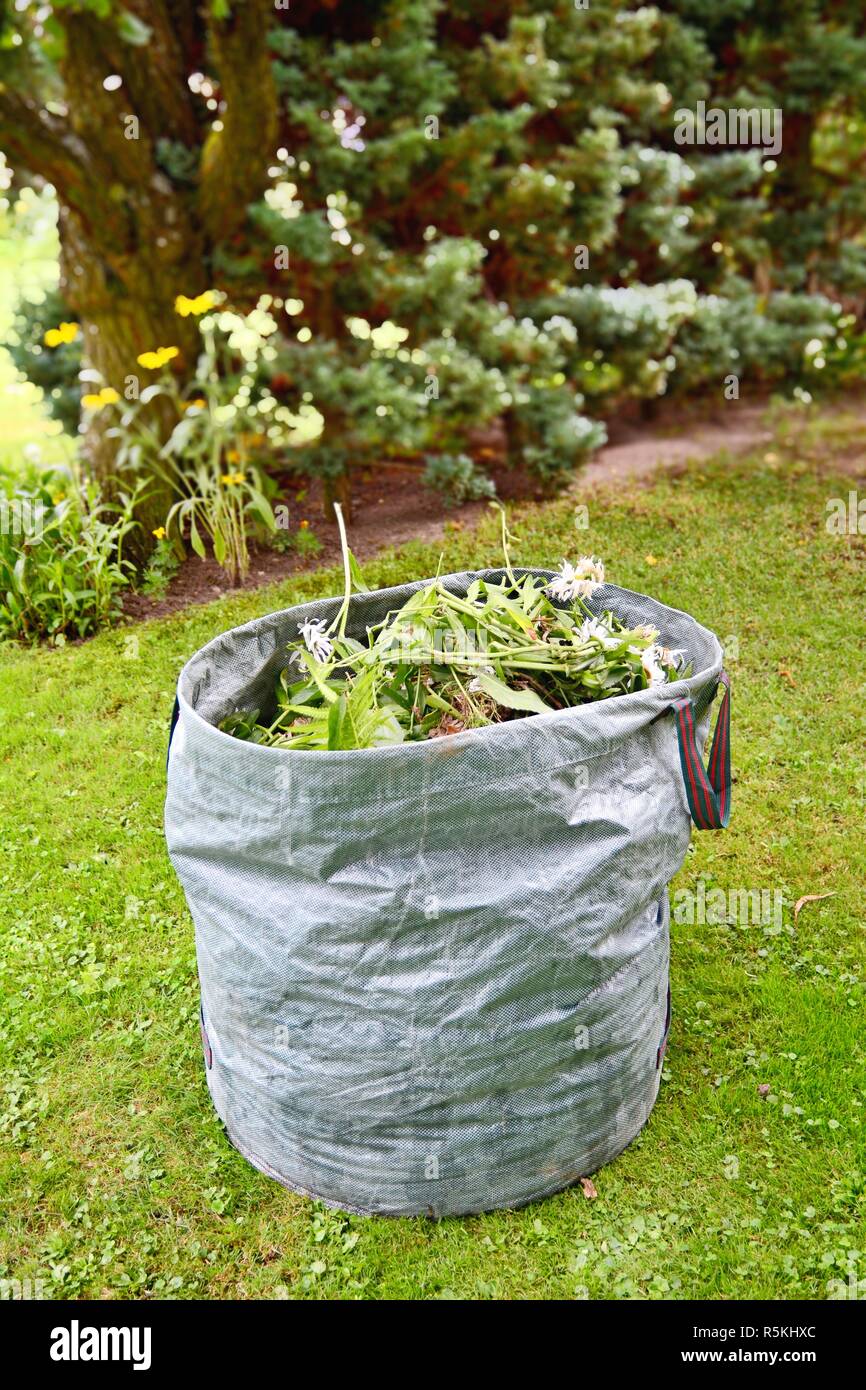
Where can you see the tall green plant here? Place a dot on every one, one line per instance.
(228, 421)
(62, 564)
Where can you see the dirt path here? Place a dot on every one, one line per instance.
(637, 450)
(391, 508)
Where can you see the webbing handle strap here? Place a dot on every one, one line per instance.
(708, 790)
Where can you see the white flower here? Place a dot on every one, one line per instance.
(593, 630)
(648, 631)
(313, 633)
(577, 581)
(652, 661)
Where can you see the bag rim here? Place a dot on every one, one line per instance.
(663, 695)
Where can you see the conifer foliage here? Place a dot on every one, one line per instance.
(475, 220)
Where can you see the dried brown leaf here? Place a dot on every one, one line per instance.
(809, 898)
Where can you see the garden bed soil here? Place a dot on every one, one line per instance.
(390, 506)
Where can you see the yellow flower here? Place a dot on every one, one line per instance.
(157, 358)
(651, 559)
(229, 479)
(159, 532)
(107, 396)
(198, 402)
(233, 456)
(64, 334)
(304, 525)
(198, 305)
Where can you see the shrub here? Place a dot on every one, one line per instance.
(458, 478)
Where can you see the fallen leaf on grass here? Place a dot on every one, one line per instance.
(589, 1189)
(786, 674)
(809, 898)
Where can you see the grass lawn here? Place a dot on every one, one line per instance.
(116, 1179)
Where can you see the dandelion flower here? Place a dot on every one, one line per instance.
(577, 581)
(313, 632)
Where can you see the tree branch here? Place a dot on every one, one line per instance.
(154, 77)
(39, 142)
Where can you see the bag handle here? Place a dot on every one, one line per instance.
(709, 796)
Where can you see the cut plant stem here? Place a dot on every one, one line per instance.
(343, 614)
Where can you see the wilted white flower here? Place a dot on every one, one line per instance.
(474, 686)
(653, 660)
(648, 631)
(593, 629)
(577, 581)
(313, 632)
(670, 656)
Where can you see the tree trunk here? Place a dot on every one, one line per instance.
(132, 238)
(121, 319)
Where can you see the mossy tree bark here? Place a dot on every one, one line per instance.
(132, 236)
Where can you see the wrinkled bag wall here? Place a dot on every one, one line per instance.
(434, 976)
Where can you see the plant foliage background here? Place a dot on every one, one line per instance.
(466, 215)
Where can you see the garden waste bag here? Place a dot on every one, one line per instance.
(434, 976)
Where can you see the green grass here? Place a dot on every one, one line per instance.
(116, 1178)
